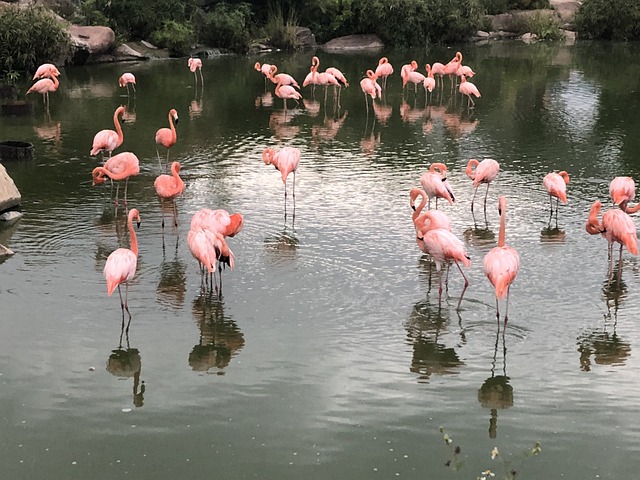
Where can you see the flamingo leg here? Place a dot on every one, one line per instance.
(474, 199)
(485, 198)
(175, 214)
(466, 284)
(506, 313)
(126, 184)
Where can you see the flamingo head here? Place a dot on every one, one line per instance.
(99, 176)
(267, 155)
(257, 66)
(135, 215)
(174, 114)
(502, 204)
(441, 168)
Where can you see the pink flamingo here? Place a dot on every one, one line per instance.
(46, 70)
(167, 137)
(109, 140)
(127, 79)
(437, 68)
(117, 168)
(286, 161)
(501, 263)
(429, 82)
(121, 264)
(452, 67)
(443, 246)
(415, 78)
(423, 222)
(556, 186)
(283, 78)
(468, 89)
(485, 172)
(622, 191)
(340, 78)
(285, 92)
(466, 71)
(436, 185)
(195, 67)
(616, 226)
(265, 68)
(404, 71)
(370, 87)
(45, 86)
(384, 70)
(168, 187)
(322, 78)
(210, 249)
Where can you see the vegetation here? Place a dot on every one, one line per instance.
(545, 27)
(29, 37)
(604, 19)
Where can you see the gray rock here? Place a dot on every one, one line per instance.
(91, 42)
(9, 195)
(5, 252)
(354, 42)
(305, 39)
(482, 34)
(11, 216)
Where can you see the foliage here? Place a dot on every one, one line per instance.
(546, 27)
(495, 7)
(88, 13)
(280, 31)
(175, 36)
(604, 19)
(29, 37)
(226, 26)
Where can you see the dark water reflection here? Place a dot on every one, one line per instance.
(328, 353)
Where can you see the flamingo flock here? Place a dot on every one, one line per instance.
(210, 229)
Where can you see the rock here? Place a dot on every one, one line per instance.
(569, 37)
(529, 37)
(354, 42)
(122, 53)
(482, 34)
(566, 11)
(5, 252)
(305, 39)
(148, 45)
(9, 195)
(11, 216)
(256, 48)
(90, 42)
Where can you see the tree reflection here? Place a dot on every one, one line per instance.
(220, 338)
(430, 355)
(127, 363)
(496, 392)
(606, 347)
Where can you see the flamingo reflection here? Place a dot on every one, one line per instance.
(329, 129)
(171, 287)
(127, 363)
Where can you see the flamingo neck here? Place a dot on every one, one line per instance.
(441, 168)
(503, 215)
(174, 136)
(98, 173)
(132, 236)
(420, 207)
(565, 177)
(176, 176)
(116, 123)
(473, 163)
(630, 210)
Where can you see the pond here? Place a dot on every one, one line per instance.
(328, 353)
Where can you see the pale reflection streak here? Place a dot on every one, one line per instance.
(220, 338)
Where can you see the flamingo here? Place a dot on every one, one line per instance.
(485, 172)
(556, 186)
(435, 184)
(404, 71)
(167, 136)
(415, 78)
(452, 67)
(45, 86)
(195, 65)
(117, 168)
(168, 187)
(127, 79)
(285, 92)
(423, 222)
(468, 89)
(121, 263)
(443, 246)
(46, 70)
(323, 78)
(384, 70)
(283, 78)
(616, 226)
(429, 82)
(265, 68)
(340, 78)
(501, 263)
(466, 71)
(437, 68)
(286, 161)
(228, 225)
(370, 86)
(109, 140)
(622, 191)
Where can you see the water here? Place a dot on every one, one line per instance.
(328, 354)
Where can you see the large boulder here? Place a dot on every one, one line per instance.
(566, 11)
(9, 195)
(305, 39)
(90, 42)
(354, 42)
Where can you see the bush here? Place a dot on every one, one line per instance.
(174, 36)
(226, 26)
(604, 19)
(495, 7)
(29, 37)
(280, 31)
(545, 26)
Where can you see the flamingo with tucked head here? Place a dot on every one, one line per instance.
(436, 185)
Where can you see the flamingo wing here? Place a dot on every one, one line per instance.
(501, 267)
(120, 267)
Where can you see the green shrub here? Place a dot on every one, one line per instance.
(604, 19)
(546, 27)
(174, 36)
(226, 26)
(495, 7)
(29, 37)
(281, 32)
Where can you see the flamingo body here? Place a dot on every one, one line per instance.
(622, 190)
(436, 185)
(108, 140)
(556, 185)
(468, 89)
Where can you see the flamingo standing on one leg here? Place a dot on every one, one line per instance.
(468, 89)
(285, 92)
(429, 82)
(121, 264)
(436, 185)
(452, 67)
(195, 66)
(167, 137)
(501, 263)
(168, 187)
(127, 79)
(286, 161)
(117, 168)
(45, 86)
(264, 68)
(108, 140)
(384, 70)
(370, 87)
(556, 186)
(485, 172)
